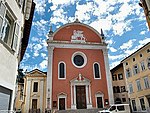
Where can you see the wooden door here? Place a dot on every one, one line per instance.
(61, 103)
(34, 104)
(99, 102)
(80, 97)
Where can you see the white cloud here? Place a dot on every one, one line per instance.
(142, 32)
(40, 6)
(43, 64)
(37, 47)
(35, 39)
(110, 41)
(36, 53)
(28, 67)
(128, 45)
(121, 27)
(116, 57)
(41, 26)
(112, 49)
(43, 55)
(112, 65)
(144, 41)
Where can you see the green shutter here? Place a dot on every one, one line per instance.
(15, 38)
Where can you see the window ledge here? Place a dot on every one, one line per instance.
(61, 78)
(7, 47)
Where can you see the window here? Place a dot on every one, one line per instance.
(148, 63)
(142, 103)
(6, 29)
(138, 85)
(135, 69)
(142, 66)
(123, 89)
(130, 88)
(21, 92)
(148, 50)
(9, 29)
(121, 108)
(133, 59)
(123, 99)
(96, 71)
(79, 59)
(128, 73)
(126, 63)
(62, 70)
(146, 82)
(34, 103)
(114, 77)
(116, 89)
(134, 105)
(141, 55)
(148, 99)
(35, 87)
(120, 76)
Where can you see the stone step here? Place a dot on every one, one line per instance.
(79, 111)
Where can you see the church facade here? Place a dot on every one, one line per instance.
(78, 74)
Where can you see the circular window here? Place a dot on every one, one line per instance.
(79, 59)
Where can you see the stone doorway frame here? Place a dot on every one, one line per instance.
(80, 81)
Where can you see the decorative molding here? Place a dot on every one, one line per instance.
(108, 76)
(66, 44)
(77, 37)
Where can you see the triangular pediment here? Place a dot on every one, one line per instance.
(80, 79)
(36, 72)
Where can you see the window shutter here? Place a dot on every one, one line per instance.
(134, 70)
(2, 15)
(15, 39)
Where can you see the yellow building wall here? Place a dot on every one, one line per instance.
(120, 83)
(136, 95)
(35, 95)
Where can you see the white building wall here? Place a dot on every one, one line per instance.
(9, 58)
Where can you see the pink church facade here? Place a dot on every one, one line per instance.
(78, 74)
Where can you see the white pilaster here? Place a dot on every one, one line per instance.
(28, 96)
(108, 77)
(49, 78)
(87, 95)
(89, 105)
(74, 98)
(71, 96)
(90, 94)
(41, 95)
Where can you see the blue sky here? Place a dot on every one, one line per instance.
(122, 21)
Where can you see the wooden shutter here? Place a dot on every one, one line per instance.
(2, 15)
(15, 38)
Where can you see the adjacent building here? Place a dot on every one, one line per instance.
(145, 4)
(137, 71)
(15, 23)
(34, 93)
(119, 85)
(78, 74)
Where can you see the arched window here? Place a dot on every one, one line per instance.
(96, 71)
(61, 70)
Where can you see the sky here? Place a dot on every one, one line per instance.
(123, 22)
